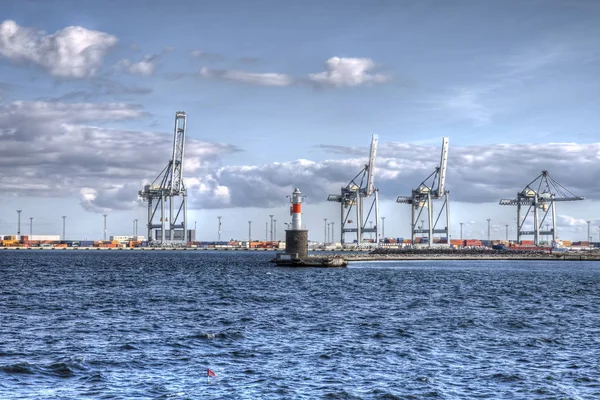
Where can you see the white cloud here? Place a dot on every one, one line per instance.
(565, 220)
(476, 174)
(469, 103)
(72, 52)
(66, 155)
(51, 149)
(262, 79)
(144, 67)
(340, 72)
(348, 72)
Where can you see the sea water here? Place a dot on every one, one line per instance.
(149, 324)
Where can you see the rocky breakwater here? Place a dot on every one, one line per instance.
(470, 254)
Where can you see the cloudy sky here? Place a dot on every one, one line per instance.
(285, 94)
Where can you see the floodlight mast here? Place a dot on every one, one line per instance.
(352, 196)
(540, 194)
(174, 227)
(432, 188)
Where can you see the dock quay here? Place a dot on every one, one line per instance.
(342, 258)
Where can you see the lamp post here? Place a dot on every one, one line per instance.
(271, 216)
(30, 227)
(328, 227)
(332, 237)
(19, 224)
(325, 232)
(383, 227)
(64, 217)
(588, 235)
(104, 227)
(488, 220)
(249, 234)
(461, 224)
(219, 231)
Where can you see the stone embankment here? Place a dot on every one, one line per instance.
(470, 254)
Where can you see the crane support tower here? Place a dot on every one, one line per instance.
(352, 196)
(167, 192)
(540, 194)
(421, 198)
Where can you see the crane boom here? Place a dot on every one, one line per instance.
(443, 163)
(371, 167)
(176, 181)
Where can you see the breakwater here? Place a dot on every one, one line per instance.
(472, 254)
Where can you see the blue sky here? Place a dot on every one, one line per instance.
(88, 93)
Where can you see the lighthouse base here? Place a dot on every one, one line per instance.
(296, 253)
(291, 260)
(296, 242)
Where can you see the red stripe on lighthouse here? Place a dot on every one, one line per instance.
(296, 208)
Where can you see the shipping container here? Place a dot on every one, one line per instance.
(45, 237)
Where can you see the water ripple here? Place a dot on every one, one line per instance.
(148, 325)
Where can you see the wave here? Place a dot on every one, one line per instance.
(18, 368)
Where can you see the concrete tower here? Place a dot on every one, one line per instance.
(296, 239)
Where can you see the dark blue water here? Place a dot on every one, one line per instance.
(107, 325)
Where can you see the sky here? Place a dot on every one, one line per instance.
(281, 95)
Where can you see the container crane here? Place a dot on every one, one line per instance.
(540, 194)
(432, 188)
(168, 190)
(362, 186)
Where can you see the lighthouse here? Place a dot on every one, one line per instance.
(296, 242)
(296, 239)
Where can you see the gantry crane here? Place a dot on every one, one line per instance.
(432, 188)
(541, 193)
(352, 196)
(166, 190)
